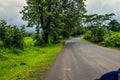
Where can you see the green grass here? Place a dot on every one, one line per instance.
(82, 39)
(27, 64)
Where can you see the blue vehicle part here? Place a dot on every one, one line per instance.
(113, 75)
(110, 76)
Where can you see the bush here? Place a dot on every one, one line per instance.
(18, 38)
(96, 34)
(11, 36)
(112, 41)
(39, 40)
(88, 35)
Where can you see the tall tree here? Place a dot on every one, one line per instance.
(74, 11)
(49, 15)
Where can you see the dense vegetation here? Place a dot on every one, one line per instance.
(96, 34)
(104, 34)
(54, 19)
(111, 39)
(11, 36)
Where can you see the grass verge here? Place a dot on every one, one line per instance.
(16, 64)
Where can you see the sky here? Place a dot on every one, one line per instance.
(9, 9)
(103, 7)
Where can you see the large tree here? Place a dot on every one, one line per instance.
(53, 17)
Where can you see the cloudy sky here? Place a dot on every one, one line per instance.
(104, 7)
(9, 9)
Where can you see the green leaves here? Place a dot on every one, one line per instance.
(112, 40)
(95, 19)
(11, 35)
(54, 17)
(96, 34)
(114, 25)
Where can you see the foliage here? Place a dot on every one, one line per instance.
(78, 31)
(88, 35)
(100, 29)
(114, 25)
(29, 34)
(11, 36)
(96, 34)
(95, 19)
(112, 41)
(38, 40)
(103, 37)
(54, 18)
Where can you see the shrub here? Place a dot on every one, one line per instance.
(96, 34)
(39, 40)
(18, 38)
(88, 35)
(11, 36)
(112, 41)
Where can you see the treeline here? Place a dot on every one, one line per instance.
(58, 19)
(54, 19)
(103, 30)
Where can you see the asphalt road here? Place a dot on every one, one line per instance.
(83, 61)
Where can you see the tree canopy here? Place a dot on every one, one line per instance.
(95, 19)
(114, 25)
(54, 18)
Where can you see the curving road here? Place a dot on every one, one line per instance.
(83, 61)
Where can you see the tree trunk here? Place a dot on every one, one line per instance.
(47, 26)
(55, 39)
(46, 38)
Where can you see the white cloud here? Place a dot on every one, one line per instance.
(9, 11)
(103, 7)
(1, 9)
(112, 5)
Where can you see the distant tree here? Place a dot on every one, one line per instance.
(114, 25)
(95, 19)
(96, 34)
(29, 34)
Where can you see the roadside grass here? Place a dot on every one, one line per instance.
(26, 64)
(82, 39)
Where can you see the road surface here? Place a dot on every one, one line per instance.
(83, 61)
